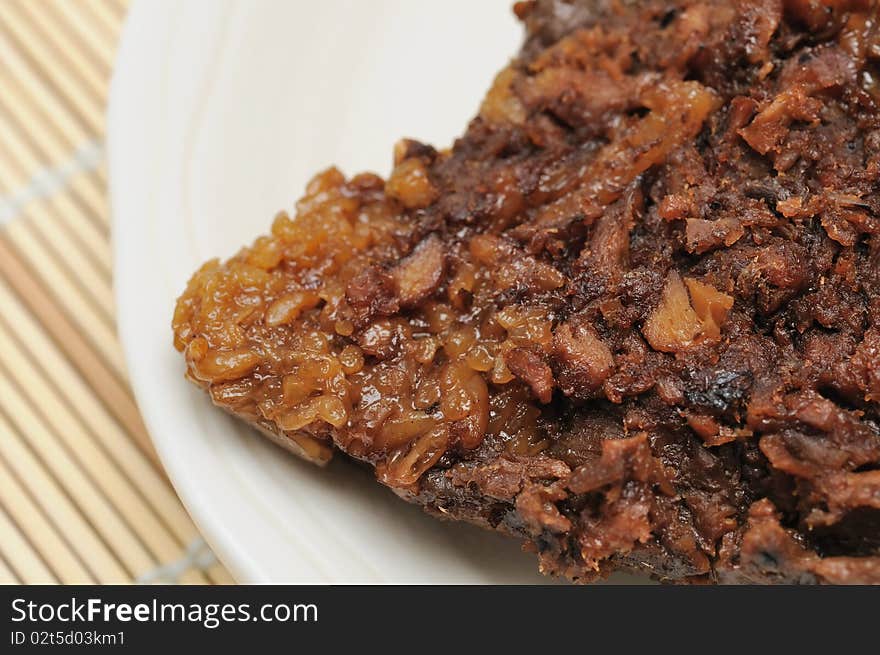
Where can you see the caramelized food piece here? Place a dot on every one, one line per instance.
(631, 317)
(673, 326)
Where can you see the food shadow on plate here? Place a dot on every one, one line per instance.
(358, 502)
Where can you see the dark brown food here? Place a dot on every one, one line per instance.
(631, 317)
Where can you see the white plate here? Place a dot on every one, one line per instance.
(220, 112)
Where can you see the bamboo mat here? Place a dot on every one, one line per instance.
(83, 498)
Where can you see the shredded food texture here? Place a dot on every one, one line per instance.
(631, 316)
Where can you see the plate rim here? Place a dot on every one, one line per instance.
(135, 77)
(143, 20)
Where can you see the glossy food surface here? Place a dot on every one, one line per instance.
(630, 316)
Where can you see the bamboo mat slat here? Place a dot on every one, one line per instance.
(7, 576)
(101, 50)
(40, 532)
(52, 32)
(30, 568)
(60, 74)
(58, 507)
(17, 170)
(83, 497)
(93, 461)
